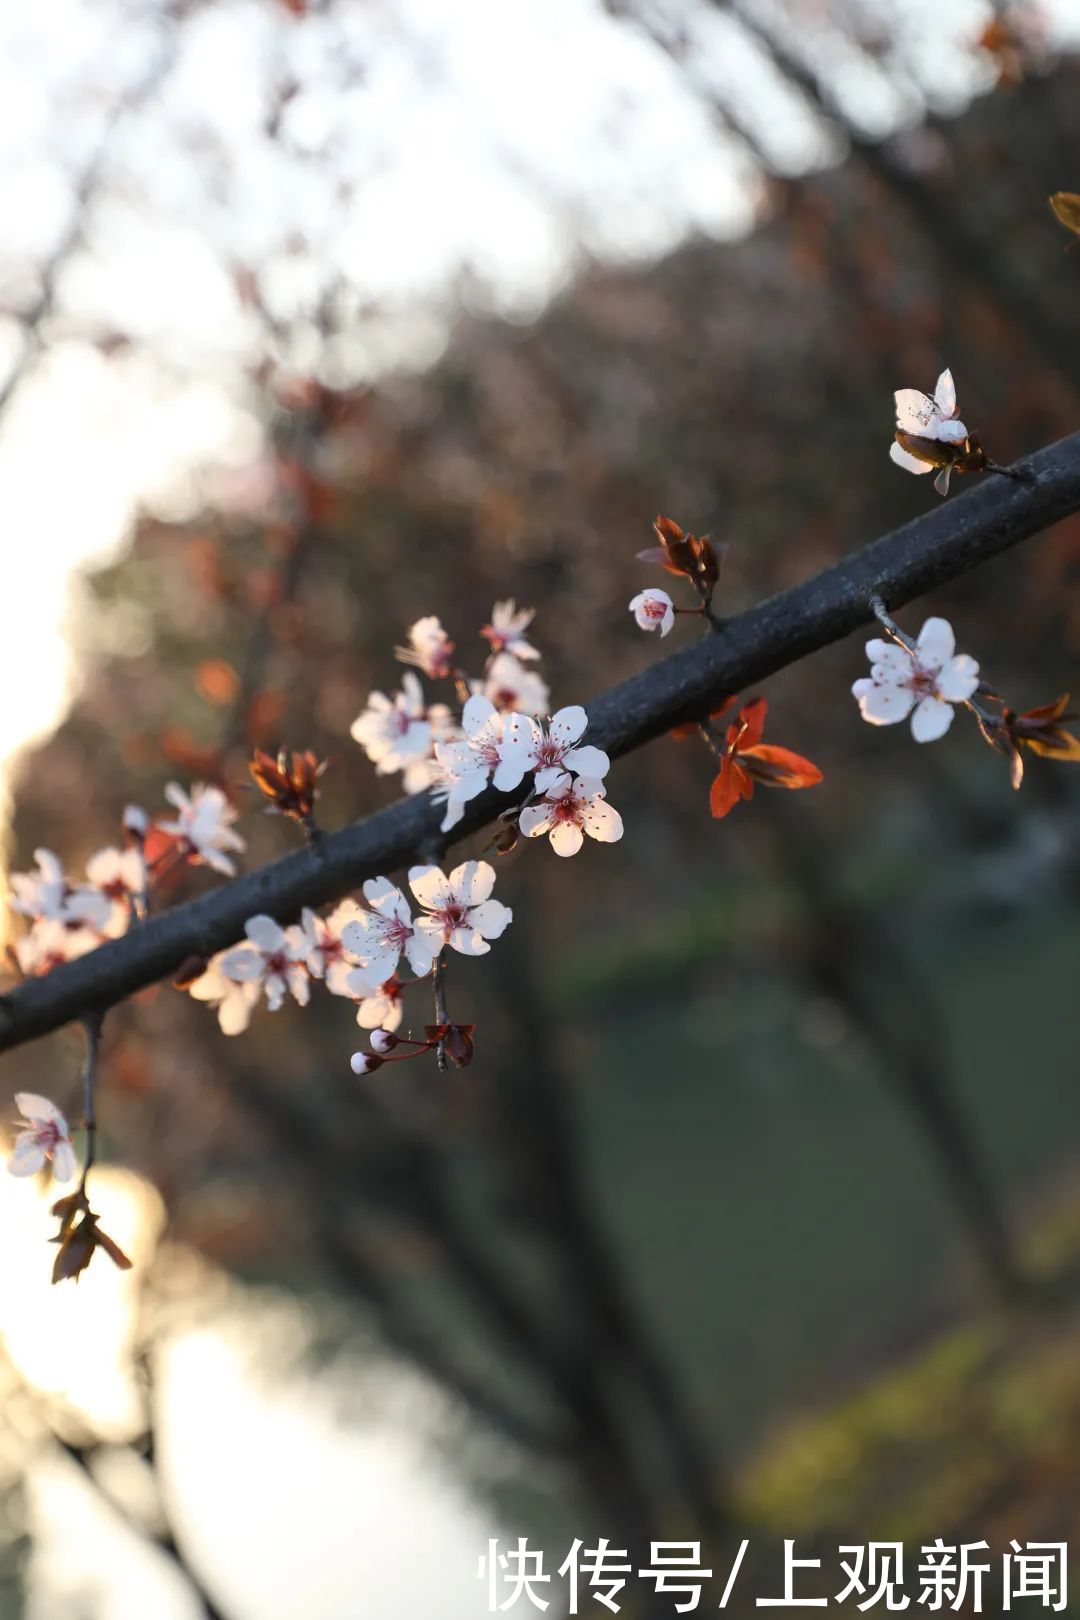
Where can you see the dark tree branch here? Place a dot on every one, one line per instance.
(953, 537)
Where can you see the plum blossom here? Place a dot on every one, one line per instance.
(45, 1136)
(430, 649)
(506, 632)
(234, 999)
(395, 732)
(510, 686)
(458, 910)
(119, 875)
(550, 751)
(272, 960)
(49, 943)
(378, 939)
(654, 610)
(326, 956)
(571, 807)
(483, 753)
(203, 826)
(47, 894)
(382, 1008)
(930, 434)
(924, 682)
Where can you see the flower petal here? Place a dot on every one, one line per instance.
(958, 679)
(513, 763)
(936, 643)
(242, 964)
(568, 725)
(945, 394)
(602, 822)
(476, 713)
(39, 1109)
(234, 1013)
(430, 886)
(265, 933)
(882, 705)
(535, 820)
(588, 761)
(887, 655)
(386, 898)
(491, 918)
(931, 720)
(472, 882)
(27, 1156)
(63, 1162)
(566, 838)
(420, 952)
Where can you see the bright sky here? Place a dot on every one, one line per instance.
(494, 139)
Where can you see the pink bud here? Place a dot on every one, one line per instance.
(365, 1062)
(382, 1041)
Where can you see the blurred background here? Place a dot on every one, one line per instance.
(756, 1214)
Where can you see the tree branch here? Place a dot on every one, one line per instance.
(955, 536)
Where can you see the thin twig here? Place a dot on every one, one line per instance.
(92, 1024)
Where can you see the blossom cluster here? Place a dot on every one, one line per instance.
(488, 733)
(69, 918)
(358, 950)
(499, 739)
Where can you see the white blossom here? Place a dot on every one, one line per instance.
(327, 956)
(49, 943)
(570, 808)
(506, 632)
(234, 999)
(510, 686)
(458, 910)
(430, 648)
(119, 876)
(480, 755)
(382, 1008)
(272, 960)
(47, 894)
(395, 733)
(203, 825)
(378, 939)
(924, 683)
(549, 751)
(45, 1136)
(928, 418)
(654, 610)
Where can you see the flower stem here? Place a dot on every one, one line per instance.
(439, 984)
(890, 625)
(92, 1024)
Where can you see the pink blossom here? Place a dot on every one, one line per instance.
(204, 826)
(430, 649)
(458, 910)
(378, 938)
(45, 1137)
(506, 632)
(572, 807)
(654, 610)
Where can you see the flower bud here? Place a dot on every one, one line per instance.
(365, 1062)
(383, 1041)
(135, 821)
